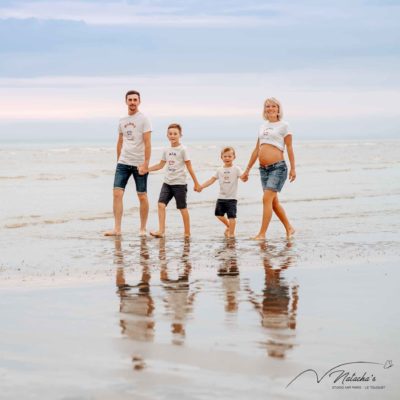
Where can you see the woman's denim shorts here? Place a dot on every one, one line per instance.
(274, 176)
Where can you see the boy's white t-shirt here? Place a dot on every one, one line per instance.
(132, 128)
(228, 181)
(175, 157)
(274, 133)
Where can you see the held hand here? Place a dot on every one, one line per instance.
(292, 175)
(245, 176)
(198, 188)
(143, 169)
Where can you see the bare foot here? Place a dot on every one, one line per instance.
(290, 232)
(157, 234)
(186, 235)
(258, 237)
(226, 233)
(112, 233)
(230, 235)
(142, 232)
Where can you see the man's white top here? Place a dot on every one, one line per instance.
(132, 128)
(274, 133)
(175, 157)
(228, 181)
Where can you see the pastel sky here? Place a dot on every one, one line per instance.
(66, 65)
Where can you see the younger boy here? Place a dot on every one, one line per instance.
(177, 158)
(228, 176)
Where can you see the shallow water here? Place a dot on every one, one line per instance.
(85, 316)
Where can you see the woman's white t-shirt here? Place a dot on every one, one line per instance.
(274, 133)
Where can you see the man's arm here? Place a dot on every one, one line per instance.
(147, 153)
(119, 145)
(189, 167)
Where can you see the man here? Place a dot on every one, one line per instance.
(133, 156)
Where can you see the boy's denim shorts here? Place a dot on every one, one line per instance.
(124, 172)
(274, 176)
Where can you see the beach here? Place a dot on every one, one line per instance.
(91, 317)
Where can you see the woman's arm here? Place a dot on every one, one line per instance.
(253, 159)
(209, 182)
(158, 166)
(189, 167)
(290, 152)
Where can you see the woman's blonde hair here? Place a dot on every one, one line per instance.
(277, 102)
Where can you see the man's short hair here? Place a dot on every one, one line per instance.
(226, 149)
(132, 92)
(177, 126)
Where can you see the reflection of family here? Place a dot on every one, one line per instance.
(133, 157)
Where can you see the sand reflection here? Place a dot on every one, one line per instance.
(229, 272)
(178, 297)
(278, 303)
(136, 302)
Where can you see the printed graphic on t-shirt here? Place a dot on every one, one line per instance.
(227, 177)
(171, 166)
(129, 130)
(267, 131)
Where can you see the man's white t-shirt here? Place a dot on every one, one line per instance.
(228, 181)
(175, 157)
(132, 128)
(274, 133)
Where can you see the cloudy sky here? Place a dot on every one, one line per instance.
(65, 66)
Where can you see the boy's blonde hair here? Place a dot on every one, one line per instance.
(177, 126)
(276, 102)
(226, 149)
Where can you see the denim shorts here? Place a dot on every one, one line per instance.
(226, 206)
(124, 172)
(179, 192)
(273, 176)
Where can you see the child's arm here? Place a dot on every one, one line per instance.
(290, 152)
(158, 166)
(208, 183)
(189, 167)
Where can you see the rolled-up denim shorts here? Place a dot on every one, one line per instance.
(273, 176)
(124, 172)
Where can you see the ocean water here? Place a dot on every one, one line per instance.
(208, 317)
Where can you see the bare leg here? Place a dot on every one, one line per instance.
(268, 198)
(232, 226)
(144, 212)
(186, 221)
(280, 213)
(161, 221)
(225, 221)
(118, 209)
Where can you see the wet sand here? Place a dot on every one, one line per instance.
(198, 320)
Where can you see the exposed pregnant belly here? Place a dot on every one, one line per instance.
(269, 154)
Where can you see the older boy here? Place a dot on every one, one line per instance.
(177, 159)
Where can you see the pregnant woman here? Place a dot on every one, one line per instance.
(273, 137)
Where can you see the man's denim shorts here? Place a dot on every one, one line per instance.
(274, 176)
(124, 172)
